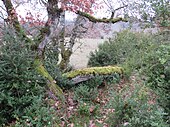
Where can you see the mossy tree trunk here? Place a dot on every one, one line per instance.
(53, 87)
(48, 34)
(66, 47)
(106, 70)
(65, 59)
(44, 38)
(81, 75)
(61, 40)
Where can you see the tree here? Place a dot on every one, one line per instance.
(155, 12)
(161, 9)
(56, 12)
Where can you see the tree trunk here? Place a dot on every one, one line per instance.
(67, 47)
(81, 75)
(12, 20)
(48, 35)
(55, 89)
(63, 51)
(45, 37)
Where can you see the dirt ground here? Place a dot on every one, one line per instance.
(81, 52)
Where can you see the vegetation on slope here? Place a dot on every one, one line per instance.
(141, 99)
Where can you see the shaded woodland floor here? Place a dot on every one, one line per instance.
(100, 108)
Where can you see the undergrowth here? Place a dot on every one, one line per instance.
(23, 90)
(141, 100)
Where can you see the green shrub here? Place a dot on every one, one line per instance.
(83, 109)
(84, 114)
(103, 56)
(134, 110)
(88, 90)
(85, 93)
(38, 114)
(118, 49)
(19, 82)
(95, 82)
(63, 81)
(51, 60)
(148, 55)
(51, 64)
(153, 63)
(153, 118)
(157, 70)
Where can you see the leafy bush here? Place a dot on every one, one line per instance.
(20, 85)
(154, 65)
(118, 49)
(38, 114)
(85, 93)
(88, 91)
(134, 110)
(103, 56)
(84, 114)
(148, 55)
(83, 109)
(157, 70)
(51, 64)
(51, 60)
(63, 81)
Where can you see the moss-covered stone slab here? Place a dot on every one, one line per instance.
(106, 70)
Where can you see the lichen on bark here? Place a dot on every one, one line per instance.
(106, 70)
(53, 87)
(13, 21)
(104, 20)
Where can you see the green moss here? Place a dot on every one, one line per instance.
(45, 29)
(40, 68)
(51, 82)
(93, 19)
(65, 59)
(95, 70)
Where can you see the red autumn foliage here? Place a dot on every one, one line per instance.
(79, 5)
(87, 6)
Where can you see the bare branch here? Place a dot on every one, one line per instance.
(2, 16)
(103, 20)
(43, 2)
(13, 19)
(109, 6)
(120, 7)
(2, 8)
(113, 12)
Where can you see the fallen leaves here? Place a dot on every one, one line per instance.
(96, 107)
(92, 109)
